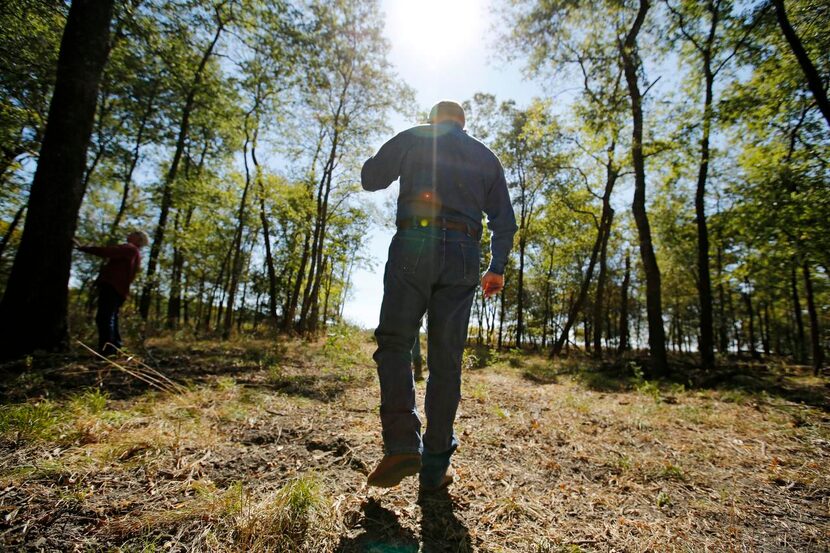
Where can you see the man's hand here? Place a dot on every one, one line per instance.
(492, 284)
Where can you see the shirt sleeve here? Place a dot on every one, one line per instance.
(110, 252)
(384, 168)
(501, 221)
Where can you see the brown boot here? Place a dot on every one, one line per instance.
(394, 468)
(444, 482)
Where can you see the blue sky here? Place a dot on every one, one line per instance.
(451, 57)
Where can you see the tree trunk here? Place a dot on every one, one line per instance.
(33, 312)
(313, 281)
(291, 311)
(800, 352)
(723, 330)
(624, 341)
(599, 299)
(751, 312)
(586, 332)
(520, 288)
(329, 282)
(704, 281)
(266, 236)
(175, 301)
(765, 329)
(815, 330)
(501, 322)
(575, 308)
(167, 191)
(10, 231)
(547, 315)
(236, 263)
(654, 307)
(312, 321)
(8, 155)
(814, 80)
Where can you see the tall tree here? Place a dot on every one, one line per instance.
(814, 79)
(632, 65)
(219, 23)
(527, 145)
(356, 90)
(33, 312)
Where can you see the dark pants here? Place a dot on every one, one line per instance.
(109, 303)
(436, 272)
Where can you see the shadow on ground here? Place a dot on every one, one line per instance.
(441, 530)
(382, 533)
(60, 375)
(750, 378)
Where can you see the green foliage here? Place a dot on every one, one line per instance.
(90, 402)
(644, 386)
(342, 347)
(29, 421)
(293, 96)
(284, 522)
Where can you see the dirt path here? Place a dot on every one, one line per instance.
(268, 449)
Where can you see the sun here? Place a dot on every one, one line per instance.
(436, 33)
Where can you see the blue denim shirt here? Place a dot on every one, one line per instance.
(446, 173)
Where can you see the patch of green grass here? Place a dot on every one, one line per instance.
(672, 472)
(692, 413)
(90, 402)
(342, 347)
(602, 380)
(642, 385)
(478, 356)
(578, 403)
(513, 358)
(226, 384)
(477, 390)
(663, 500)
(543, 373)
(283, 522)
(650, 389)
(29, 421)
(141, 544)
(737, 396)
(500, 413)
(623, 463)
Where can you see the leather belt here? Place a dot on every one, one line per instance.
(440, 222)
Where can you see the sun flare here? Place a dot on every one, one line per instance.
(436, 33)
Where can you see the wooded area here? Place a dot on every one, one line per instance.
(678, 201)
(652, 378)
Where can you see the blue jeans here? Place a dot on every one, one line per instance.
(109, 303)
(437, 272)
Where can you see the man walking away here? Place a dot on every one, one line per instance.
(447, 180)
(113, 284)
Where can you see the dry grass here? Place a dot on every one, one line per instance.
(267, 447)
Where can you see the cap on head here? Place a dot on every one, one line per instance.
(139, 238)
(447, 110)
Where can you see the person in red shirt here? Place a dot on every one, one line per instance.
(123, 262)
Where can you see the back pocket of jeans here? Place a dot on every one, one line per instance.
(471, 254)
(405, 254)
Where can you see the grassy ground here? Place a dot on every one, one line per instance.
(265, 447)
